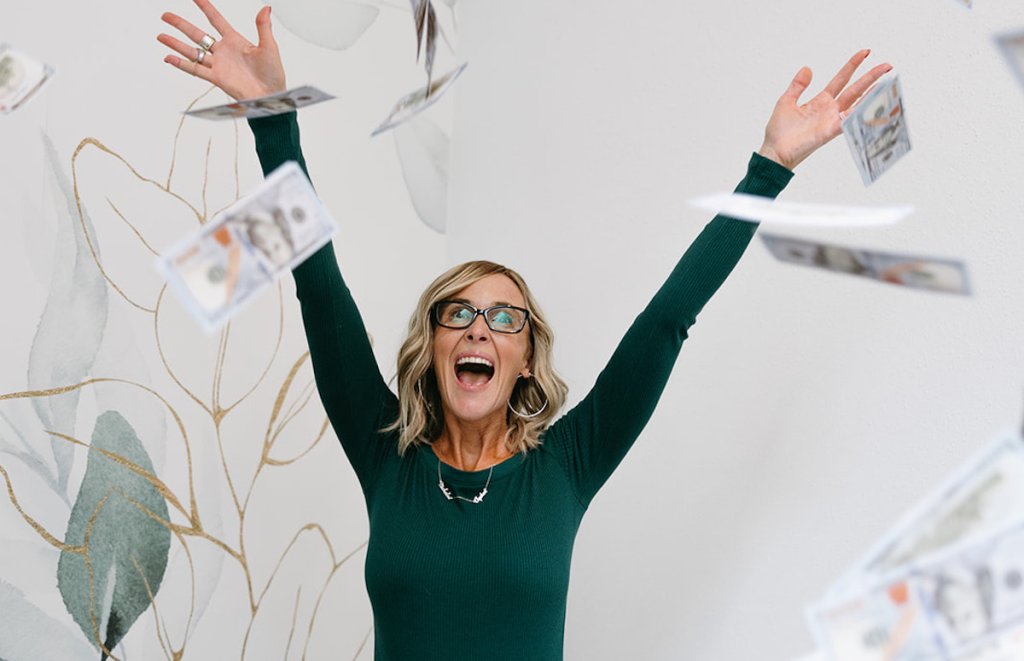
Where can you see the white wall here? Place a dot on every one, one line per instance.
(807, 409)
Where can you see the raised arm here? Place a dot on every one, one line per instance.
(349, 381)
(594, 437)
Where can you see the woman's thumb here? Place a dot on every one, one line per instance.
(263, 28)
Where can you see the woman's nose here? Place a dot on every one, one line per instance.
(478, 330)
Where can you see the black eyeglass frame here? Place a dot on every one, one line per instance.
(477, 312)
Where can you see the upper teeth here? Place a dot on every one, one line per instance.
(474, 359)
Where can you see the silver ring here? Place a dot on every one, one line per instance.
(207, 42)
(200, 55)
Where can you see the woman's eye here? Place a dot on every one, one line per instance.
(505, 319)
(461, 314)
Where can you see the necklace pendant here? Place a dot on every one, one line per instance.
(476, 500)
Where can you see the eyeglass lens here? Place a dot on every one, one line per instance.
(500, 318)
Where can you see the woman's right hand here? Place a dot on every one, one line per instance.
(241, 69)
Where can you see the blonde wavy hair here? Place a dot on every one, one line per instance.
(420, 414)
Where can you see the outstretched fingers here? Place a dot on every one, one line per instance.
(183, 49)
(219, 23)
(183, 26)
(836, 85)
(190, 67)
(800, 82)
(264, 29)
(855, 91)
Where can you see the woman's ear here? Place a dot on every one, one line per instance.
(525, 372)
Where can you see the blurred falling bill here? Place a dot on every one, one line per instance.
(264, 106)
(20, 78)
(1011, 45)
(416, 102)
(984, 496)
(977, 594)
(876, 130)
(941, 275)
(223, 265)
(965, 604)
(426, 34)
(1007, 647)
(886, 623)
(766, 210)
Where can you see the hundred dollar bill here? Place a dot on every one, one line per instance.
(980, 499)
(885, 623)
(416, 102)
(265, 106)
(766, 210)
(222, 266)
(942, 275)
(876, 130)
(1008, 646)
(967, 604)
(978, 594)
(20, 78)
(1011, 45)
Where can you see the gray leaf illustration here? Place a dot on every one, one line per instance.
(27, 633)
(72, 324)
(334, 24)
(127, 549)
(423, 153)
(27, 452)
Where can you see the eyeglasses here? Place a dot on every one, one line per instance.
(499, 318)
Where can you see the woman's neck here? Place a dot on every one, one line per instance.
(472, 447)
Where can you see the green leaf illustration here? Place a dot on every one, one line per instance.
(127, 549)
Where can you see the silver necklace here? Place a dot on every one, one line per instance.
(476, 500)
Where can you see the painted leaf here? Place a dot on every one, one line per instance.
(73, 320)
(27, 633)
(127, 549)
(334, 24)
(423, 153)
(27, 452)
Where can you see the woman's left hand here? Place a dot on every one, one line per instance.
(794, 131)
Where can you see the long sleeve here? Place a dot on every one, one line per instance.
(596, 434)
(354, 394)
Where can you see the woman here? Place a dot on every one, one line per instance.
(474, 497)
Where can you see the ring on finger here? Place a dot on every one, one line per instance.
(200, 55)
(207, 42)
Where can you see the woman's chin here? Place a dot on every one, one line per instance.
(472, 407)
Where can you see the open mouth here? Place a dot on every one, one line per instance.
(473, 371)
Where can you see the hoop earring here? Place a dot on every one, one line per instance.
(529, 415)
(532, 415)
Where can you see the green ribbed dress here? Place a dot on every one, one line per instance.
(456, 581)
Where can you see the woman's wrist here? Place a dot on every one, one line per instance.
(251, 93)
(769, 152)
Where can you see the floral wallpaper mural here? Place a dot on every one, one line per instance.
(164, 493)
(132, 525)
